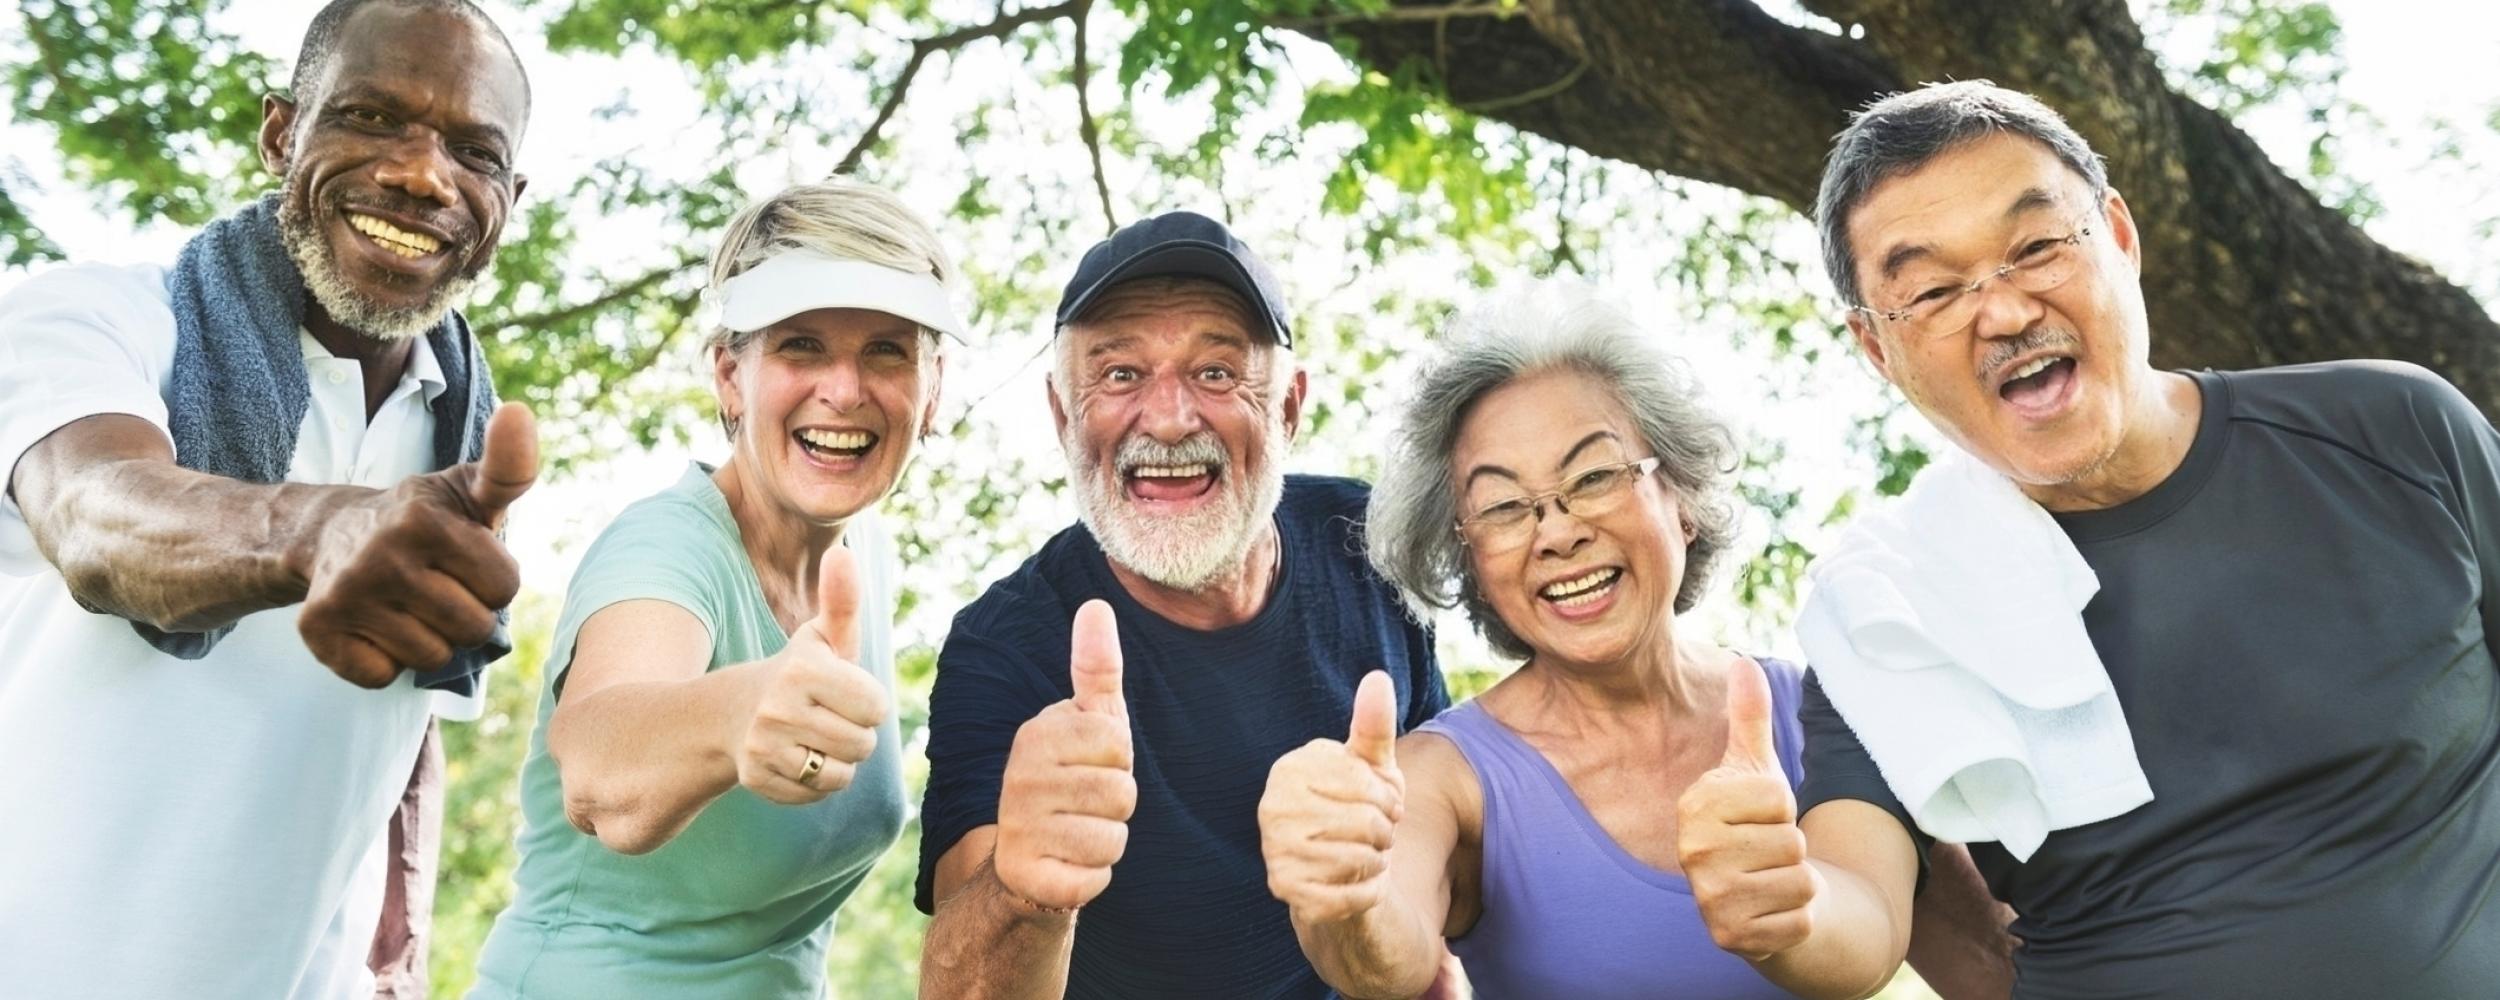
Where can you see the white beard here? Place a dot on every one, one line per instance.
(1182, 551)
(347, 306)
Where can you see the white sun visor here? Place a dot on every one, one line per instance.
(794, 281)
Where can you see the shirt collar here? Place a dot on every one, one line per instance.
(422, 368)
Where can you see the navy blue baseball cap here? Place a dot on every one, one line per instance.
(1178, 244)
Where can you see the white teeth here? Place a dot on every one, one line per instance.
(1580, 589)
(1170, 471)
(393, 238)
(837, 440)
(2037, 366)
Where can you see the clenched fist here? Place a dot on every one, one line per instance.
(813, 710)
(1064, 803)
(399, 579)
(1737, 835)
(1326, 820)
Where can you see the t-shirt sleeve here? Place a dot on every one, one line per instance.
(1837, 767)
(74, 343)
(1431, 690)
(983, 694)
(643, 555)
(2469, 456)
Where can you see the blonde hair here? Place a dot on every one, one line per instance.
(842, 218)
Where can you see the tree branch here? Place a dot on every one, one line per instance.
(615, 294)
(1716, 90)
(1085, 124)
(923, 48)
(1442, 12)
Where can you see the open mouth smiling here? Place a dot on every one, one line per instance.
(1163, 483)
(1583, 589)
(832, 445)
(404, 243)
(2039, 386)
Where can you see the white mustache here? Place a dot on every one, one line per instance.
(1197, 449)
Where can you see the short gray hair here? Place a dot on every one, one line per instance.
(1411, 526)
(1902, 132)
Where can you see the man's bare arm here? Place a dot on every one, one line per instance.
(986, 943)
(390, 579)
(1958, 938)
(140, 537)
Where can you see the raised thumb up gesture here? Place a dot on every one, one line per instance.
(812, 711)
(1065, 800)
(1737, 836)
(396, 580)
(1326, 820)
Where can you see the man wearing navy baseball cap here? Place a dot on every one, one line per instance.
(1105, 716)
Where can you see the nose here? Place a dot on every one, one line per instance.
(839, 386)
(1169, 412)
(418, 164)
(2004, 310)
(1561, 533)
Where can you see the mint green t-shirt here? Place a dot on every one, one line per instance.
(740, 904)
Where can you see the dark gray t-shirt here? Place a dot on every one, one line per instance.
(2294, 622)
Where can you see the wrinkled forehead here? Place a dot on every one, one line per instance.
(444, 59)
(1540, 425)
(1964, 201)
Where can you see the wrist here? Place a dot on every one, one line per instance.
(309, 515)
(1023, 908)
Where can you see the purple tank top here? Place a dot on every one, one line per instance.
(1568, 912)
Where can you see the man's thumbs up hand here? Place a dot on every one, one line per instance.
(1327, 819)
(400, 579)
(506, 465)
(1094, 661)
(1737, 836)
(1065, 800)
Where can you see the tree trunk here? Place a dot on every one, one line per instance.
(2243, 266)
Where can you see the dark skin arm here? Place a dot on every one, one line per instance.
(390, 580)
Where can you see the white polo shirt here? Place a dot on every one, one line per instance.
(196, 828)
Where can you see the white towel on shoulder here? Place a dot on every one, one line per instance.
(1947, 628)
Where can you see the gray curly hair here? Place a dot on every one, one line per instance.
(1411, 531)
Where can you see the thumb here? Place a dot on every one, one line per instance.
(837, 602)
(1749, 743)
(507, 465)
(1373, 735)
(1094, 660)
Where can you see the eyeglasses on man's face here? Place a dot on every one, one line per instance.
(1937, 304)
(1508, 523)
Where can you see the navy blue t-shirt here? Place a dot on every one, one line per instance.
(1187, 912)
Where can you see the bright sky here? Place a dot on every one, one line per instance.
(2405, 61)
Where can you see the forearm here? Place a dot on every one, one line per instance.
(639, 761)
(1855, 945)
(1959, 941)
(985, 943)
(180, 550)
(1384, 953)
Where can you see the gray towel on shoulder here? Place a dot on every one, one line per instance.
(239, 389)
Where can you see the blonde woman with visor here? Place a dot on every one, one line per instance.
(716, 766)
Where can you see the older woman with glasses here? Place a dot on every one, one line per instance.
(1555, 477)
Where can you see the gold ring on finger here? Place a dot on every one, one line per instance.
(815, 764)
